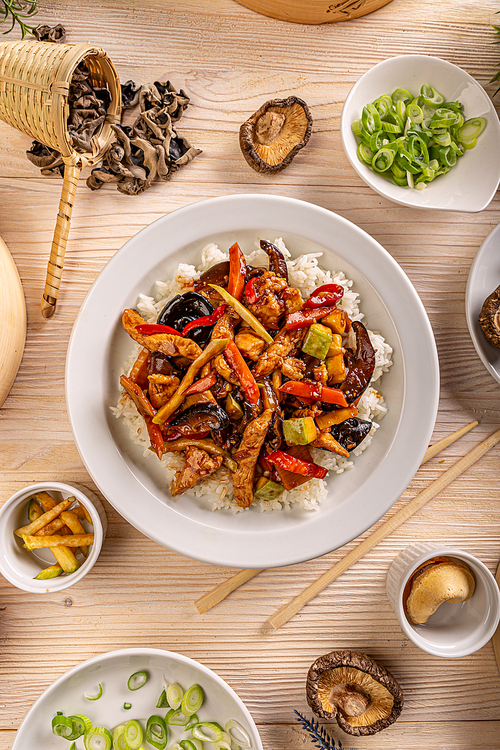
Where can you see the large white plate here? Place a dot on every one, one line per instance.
(112, 671)
(136, 486)
(484, 277)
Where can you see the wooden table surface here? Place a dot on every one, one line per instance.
(230, 60)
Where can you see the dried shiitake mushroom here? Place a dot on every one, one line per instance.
(348, 686)
(489, 318)
(274, 134)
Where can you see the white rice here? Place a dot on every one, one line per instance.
(305, 274)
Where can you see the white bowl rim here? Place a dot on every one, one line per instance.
(138, 651)
(481, 345)
(415, 636)
(368, 177)
(211, 546)
(62, 582)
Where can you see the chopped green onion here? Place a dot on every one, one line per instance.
(137, 680)
(156, 732)
(162, 700)
(175, 717)
(471, 129)
(357, 127)
(383, 160)
(95, 697)
(72, 746)
(98, 738)
(225, 742)
(62, 726)
(401, 95)
(134, 734)
(127, 706)
(188, 744)
(430, 96)
(81, 724)
(175, 746)
(174, 695)
(193, 719)
(245, 314)
(207, 731)
(119, 741)
(192, 700)
(365, 154)
(241, 737)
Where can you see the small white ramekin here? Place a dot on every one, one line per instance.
(18, 565)
(454, 630)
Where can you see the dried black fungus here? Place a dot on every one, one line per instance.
(351, 432)
(50, 33)
(183, 309)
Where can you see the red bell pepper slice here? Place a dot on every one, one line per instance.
(247, 380)
(155, 436)
(237, 271)
(296, 465)
(205, 320)
(305, 318)
(314, 391)
(250, 292)
(328, 294)
(150, 328)
(202, 385)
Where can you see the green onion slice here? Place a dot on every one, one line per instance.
(207, 731)
(193, 719)
(239, 734)
(401, 95)
(72, 746)
(134, 734)
(81, 725)
(430, 96)
(192, 700)
(245, 314)
(471, 128)
(62, 726)
(188, 744)
(119, 741)
(137, 680)
(382, 160)
(174, 695)
(156, 732)
(127, 706)
(95, 697)
(162, 700)
(357, 127)
(98, 738)
(175, 717)
(365, 154)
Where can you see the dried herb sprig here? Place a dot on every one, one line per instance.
(319, 736)
(19, 11)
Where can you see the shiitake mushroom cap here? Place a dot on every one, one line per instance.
(361, 695)
(489, 318)
(273, 135)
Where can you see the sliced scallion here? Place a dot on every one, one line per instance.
(156, 732)
(175, 717)
(192, 700)
(62, 726)
(119, 741)
(81, 724)
(207, 731)
(174, 691)
(193, 719)
(98, 738)
(188, 744)
(162, 700)
(94, 696)
(134, 734)
(239, 734)
(137, 680)
(127, 706)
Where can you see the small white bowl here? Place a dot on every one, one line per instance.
(18, 565)
(471, 184)
(454, 630)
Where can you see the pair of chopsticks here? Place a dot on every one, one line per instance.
(209, 600)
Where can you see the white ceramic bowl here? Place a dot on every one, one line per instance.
(18, 565)
(484, 277)
(136, 484)
(454, 630)
(471, 184)
(112, 671)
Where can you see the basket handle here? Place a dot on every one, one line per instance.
(61, 232)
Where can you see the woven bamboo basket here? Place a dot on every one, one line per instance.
(34, 86)
(313, 11)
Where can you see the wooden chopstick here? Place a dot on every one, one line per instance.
(216, 595)
(285, 613)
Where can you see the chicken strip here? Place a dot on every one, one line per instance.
(166, 343)
(327, 441)
(293, 368)
(282, 345)
(224, 328)
(198, 465)
(247, 455)
(161, 388)
(249, 344)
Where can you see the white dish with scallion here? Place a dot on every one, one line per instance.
(423, 133)
(138, 698)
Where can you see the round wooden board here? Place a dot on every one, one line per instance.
(12, 321)
(313, 11)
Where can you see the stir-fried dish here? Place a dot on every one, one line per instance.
(241, 371)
